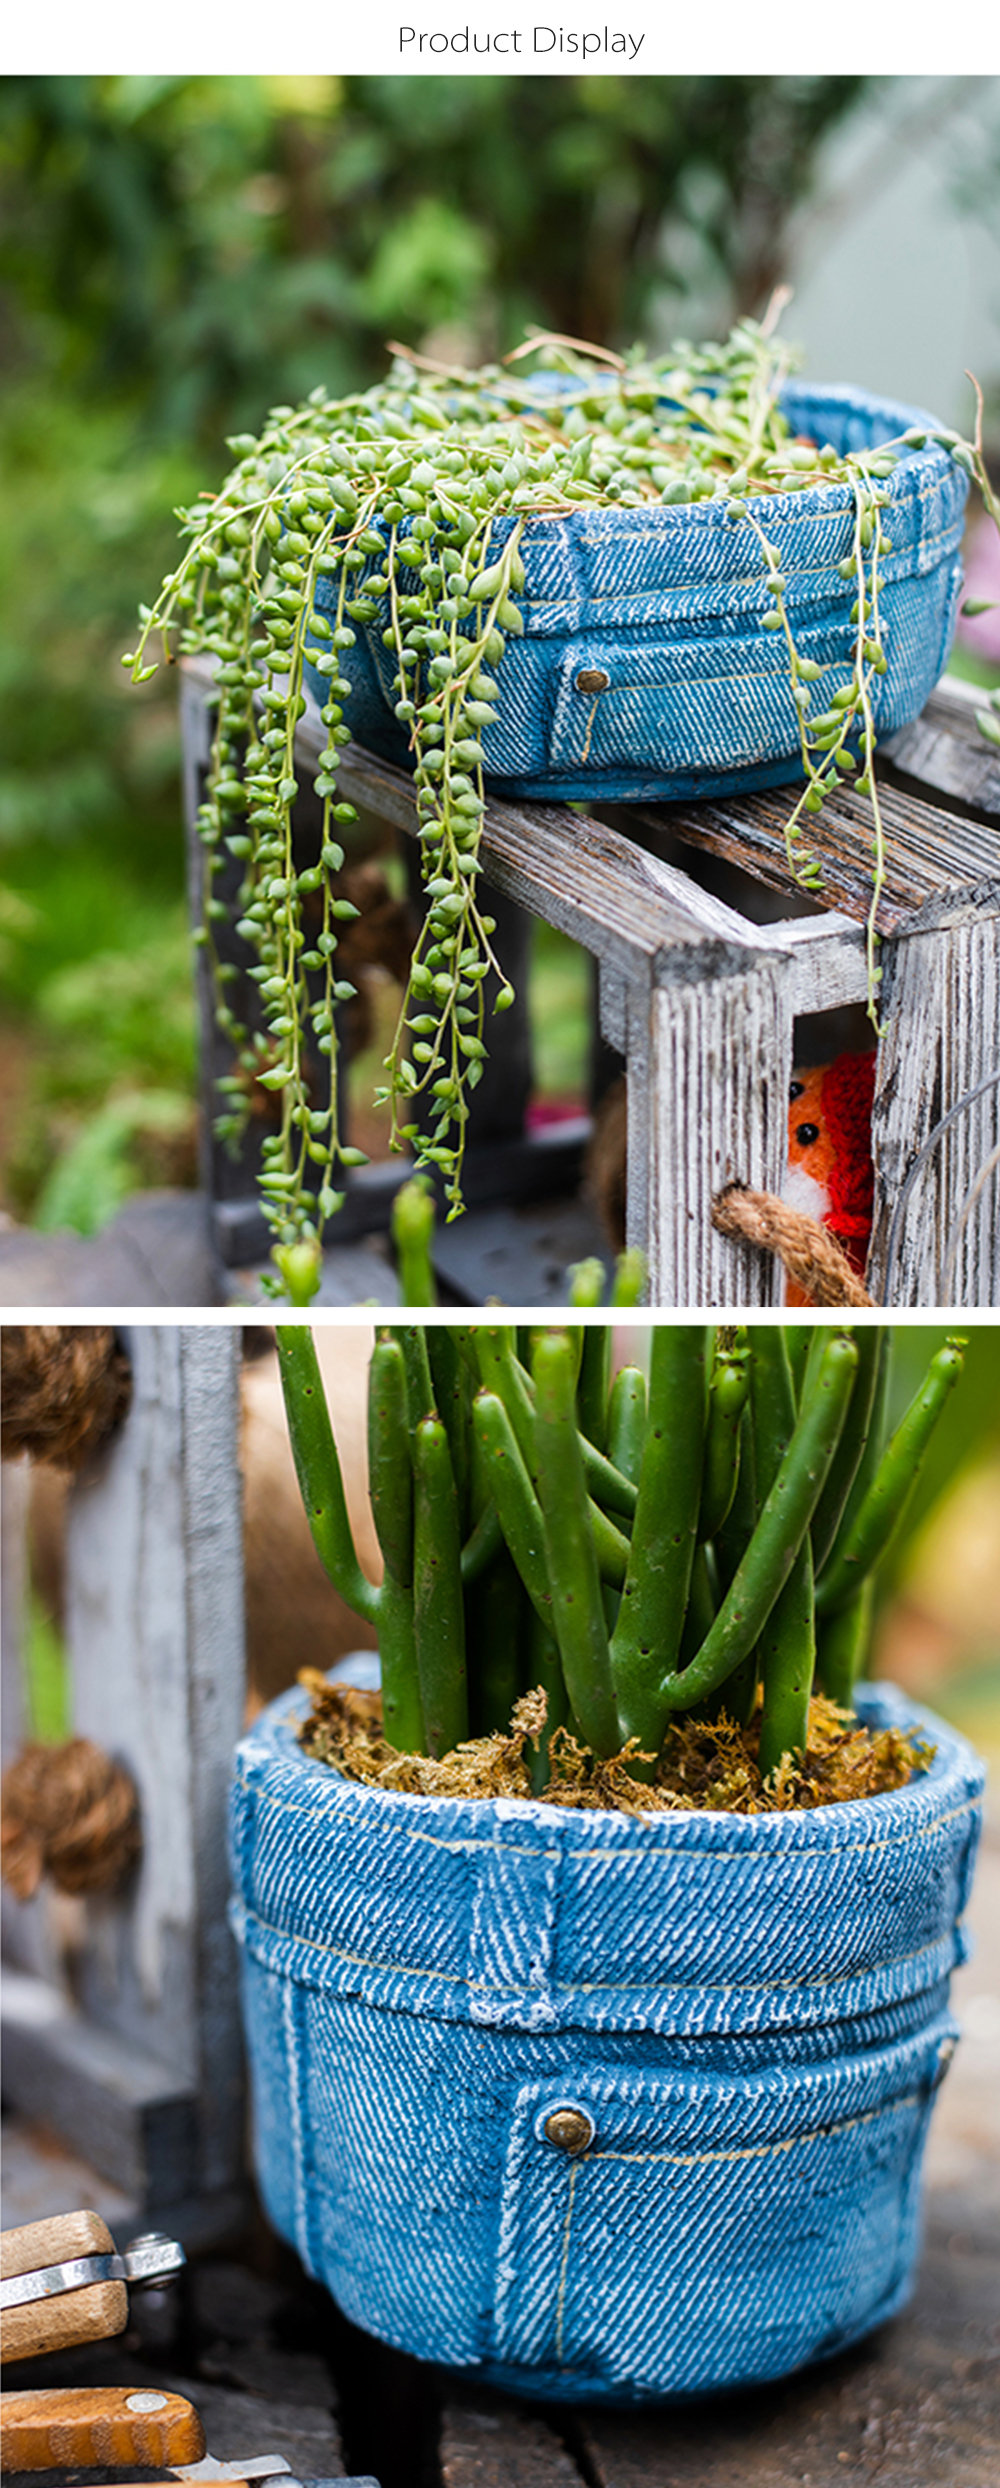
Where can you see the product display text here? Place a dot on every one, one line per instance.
(581, 43)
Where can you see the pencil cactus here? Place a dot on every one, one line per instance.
(638, 1552)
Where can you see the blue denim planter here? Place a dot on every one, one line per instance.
(749, 2013)
(669, 603)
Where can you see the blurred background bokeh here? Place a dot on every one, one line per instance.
(179, 253)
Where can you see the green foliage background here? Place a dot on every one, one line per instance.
(177, 254)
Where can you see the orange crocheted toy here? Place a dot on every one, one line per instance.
(830, 1174)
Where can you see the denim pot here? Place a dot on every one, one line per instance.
(669, 604)
(596, 2105)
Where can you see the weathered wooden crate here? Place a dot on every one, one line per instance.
(700, 997)
(121, 2020)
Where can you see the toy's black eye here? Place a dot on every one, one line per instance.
(795, 1088)
(806, 1134)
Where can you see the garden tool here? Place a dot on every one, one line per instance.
(115, 2425)
(62, 2281)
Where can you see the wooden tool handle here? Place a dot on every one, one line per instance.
(115, 2426)
(91, 2314)
(53, 2241)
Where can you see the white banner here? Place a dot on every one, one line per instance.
(504, 38)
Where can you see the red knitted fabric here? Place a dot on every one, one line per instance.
(848, 1088)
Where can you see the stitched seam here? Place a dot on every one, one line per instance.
(453, 1978)
(903, 1838)
(755, 2151)
(751, 582)
(564, 2263)
(706, 682)
(948, 536)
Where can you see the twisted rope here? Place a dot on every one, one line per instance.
(810, 1254)
(65, 1388)
(69, 1812)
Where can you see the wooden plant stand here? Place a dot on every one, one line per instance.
(700, 998)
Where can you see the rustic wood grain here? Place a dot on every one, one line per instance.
(491, 2443)
(702, 1001)
(145, 2072)
(83, 2424)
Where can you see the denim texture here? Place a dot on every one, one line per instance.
(669, 603)
(751, 2011)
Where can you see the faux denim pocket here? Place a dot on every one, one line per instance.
(674, 2231)
(686, 701)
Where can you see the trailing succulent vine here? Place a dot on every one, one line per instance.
(401, 510)
(700, 1546)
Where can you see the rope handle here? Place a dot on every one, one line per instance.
(810, 1254)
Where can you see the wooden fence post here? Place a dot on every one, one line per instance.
(144, 2072)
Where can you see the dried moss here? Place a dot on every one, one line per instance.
(706, 1766)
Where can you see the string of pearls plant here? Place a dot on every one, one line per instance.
(380, 509)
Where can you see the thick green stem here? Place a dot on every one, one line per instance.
(740, 1690)
(578, 1612)
(780, 1530)
(647, 1636)
(868, 1532)
(438, 1607)
(452, 1399)
(402, 1707)
(727, 1398)
(701, 1606)
(772, 1404)
(501, 1371)
(788, 1657)
(420, 1398)
(843, 1646)
(627, 1422)
(496, 1626)
(544, 1669)
(318, 1469)
(390, 1473)
(412, 1232)
(594, 1382)
(517, 1504)
(391, 1491)
(872, 1346)
(480, 1548)
(797, 1340)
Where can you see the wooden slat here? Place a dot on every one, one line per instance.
(714, 1111)
(491, 2443)
(938, 865)
(944, 752)
(941, 1040)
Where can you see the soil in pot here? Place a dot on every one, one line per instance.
(707, 1765)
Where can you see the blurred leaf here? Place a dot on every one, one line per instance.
(94, 1176)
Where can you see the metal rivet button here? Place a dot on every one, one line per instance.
(571, 2128)
(593, 678)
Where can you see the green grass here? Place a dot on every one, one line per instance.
(46, 1675)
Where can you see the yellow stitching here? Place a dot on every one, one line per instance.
(452, 1978)
(773, 1987)
(757, 2151)
(564, 2265)
(671, 1857)
(590, 728)
(949, 536)
(674, 1857)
